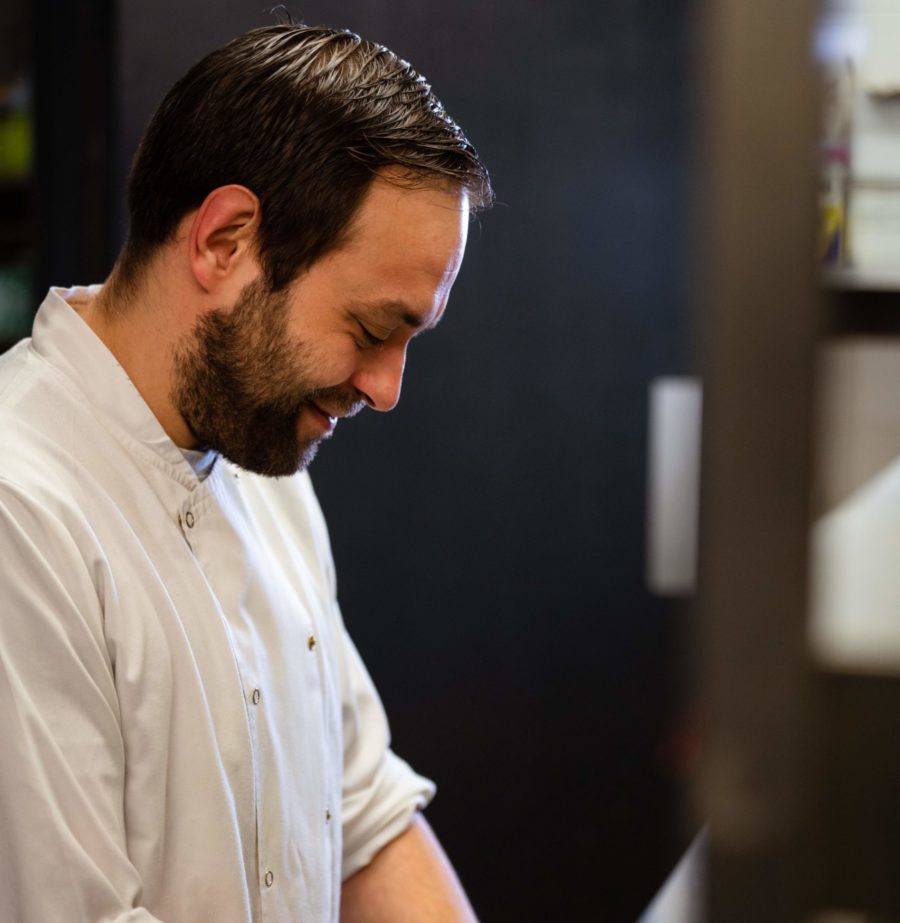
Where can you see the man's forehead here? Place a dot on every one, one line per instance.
(384, 195)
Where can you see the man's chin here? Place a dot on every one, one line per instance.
(307, 454)
(274, 463)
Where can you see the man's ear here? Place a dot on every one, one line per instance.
(222, 238)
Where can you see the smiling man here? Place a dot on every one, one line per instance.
(188, 733)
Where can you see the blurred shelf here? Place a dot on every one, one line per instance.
(862, 303)
(865, 280)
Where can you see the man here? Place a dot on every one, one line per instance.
(187, 732)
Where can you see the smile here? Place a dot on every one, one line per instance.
(325, 420)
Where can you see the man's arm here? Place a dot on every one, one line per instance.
(63, 853)
(409, 881)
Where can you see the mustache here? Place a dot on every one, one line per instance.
(337, 401)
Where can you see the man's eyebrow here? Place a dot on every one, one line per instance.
(398, 310)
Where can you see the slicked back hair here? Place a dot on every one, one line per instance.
(305, 117)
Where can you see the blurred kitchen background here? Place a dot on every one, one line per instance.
(516, 543)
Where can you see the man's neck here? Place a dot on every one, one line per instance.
(142, 334)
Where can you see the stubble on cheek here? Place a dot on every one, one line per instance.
(241, 383)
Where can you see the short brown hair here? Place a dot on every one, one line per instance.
(304, 117)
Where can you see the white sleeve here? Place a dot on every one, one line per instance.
(62, 836)
(380, 791)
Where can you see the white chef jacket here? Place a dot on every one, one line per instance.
(187, 733)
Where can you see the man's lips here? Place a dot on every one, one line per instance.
(339, 408)
(324, 411)
(326, 419)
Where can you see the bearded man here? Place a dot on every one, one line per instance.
(188, 733)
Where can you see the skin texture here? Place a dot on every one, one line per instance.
(242, 384)
(331, 342)
(226, 364)
(409, 881)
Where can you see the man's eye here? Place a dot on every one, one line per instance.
(370, 338)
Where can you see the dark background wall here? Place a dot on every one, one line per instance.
(489, 533)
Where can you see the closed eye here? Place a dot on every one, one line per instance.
(370, 338)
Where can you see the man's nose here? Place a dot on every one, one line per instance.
(380, 376)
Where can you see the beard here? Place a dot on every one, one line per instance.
(241, 382)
